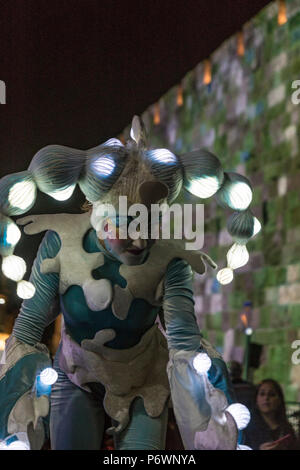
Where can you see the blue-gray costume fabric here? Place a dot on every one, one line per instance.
(71, 406)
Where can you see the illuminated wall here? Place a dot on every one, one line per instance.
(247, 118)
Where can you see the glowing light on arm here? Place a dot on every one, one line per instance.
(237, 256)
(13, 267)
(202, 363)
(240, 414)
(48, 376)
(13, 234)
(225, 276)
(25, 290)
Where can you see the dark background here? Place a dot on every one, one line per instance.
(76, 71)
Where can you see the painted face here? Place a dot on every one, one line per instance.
(126, 250)
(267, 399)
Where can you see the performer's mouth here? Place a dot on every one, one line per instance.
(136, 251)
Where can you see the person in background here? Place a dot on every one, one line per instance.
(244, 390)
(269, 428)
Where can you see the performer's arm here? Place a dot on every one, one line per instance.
(181, 326)
(24, 357)
(191, 394)
(34, 315)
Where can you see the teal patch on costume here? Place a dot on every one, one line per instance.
(219, 378)
(17, 381)
(83, 323)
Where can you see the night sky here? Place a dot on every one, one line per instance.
(76, 71)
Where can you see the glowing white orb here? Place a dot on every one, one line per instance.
(48, 376)
(13, 234)
(2, 301)
(162, 156)
(248, 331)
(204, 187)
(243, 447)
(25, 290)
(257, 227)
(240, 195)
(237, 256)
(240, 414)
(104, 165)
(202, 363)
(113, 143)
(13, 267)
(64, 194)
(225, 276)
(22, 195)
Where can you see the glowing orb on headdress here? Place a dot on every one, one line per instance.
(202, 363)
(104, 165)
(162, 156)
(13, 267)
(48, 376)
(239, 195)
(25, 290)
(257, 227)
(237, 256)
(225, 276)
(240, 414)
(64, 194)
(13, 234)
(113, 143)
(204, 187)
(22, 194)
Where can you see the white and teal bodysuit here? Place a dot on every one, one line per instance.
(114, 358)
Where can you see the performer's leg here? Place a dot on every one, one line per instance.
(143, 432)
(76, 417)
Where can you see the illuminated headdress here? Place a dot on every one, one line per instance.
(112, 169)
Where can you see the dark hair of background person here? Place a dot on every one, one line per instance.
(281, 411)
(259, 433)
